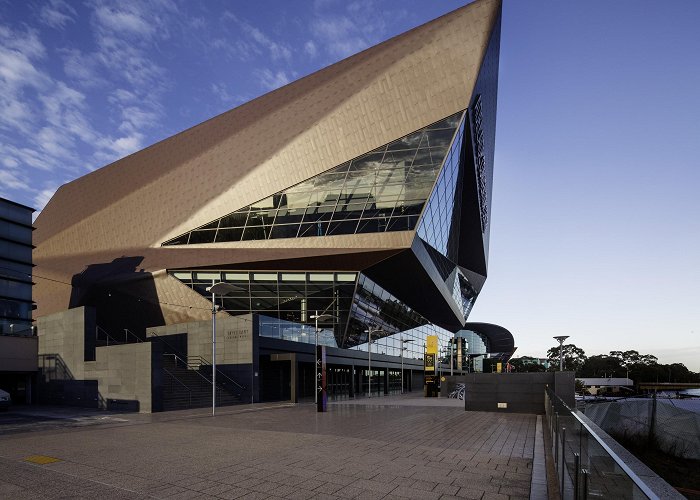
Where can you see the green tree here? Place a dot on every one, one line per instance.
(574, 358)
(602, 365)
(527, 364)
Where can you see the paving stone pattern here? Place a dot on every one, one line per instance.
(361, 451)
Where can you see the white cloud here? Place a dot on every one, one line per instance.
(135, 118)
(57, 14)
(124, 22)
(12, 180)
(256, 41)
(82, 68)
(26, 43)
(339, 35)
(43, 197)
(310, 49)
(270, 80)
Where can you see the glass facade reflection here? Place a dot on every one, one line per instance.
(375, 307)
(286, 302)
(383, 190)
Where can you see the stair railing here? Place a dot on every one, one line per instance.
(128, 332)
(189, 391)
(99, 329)
(197, 361)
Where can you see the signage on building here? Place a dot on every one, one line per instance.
(431, 346)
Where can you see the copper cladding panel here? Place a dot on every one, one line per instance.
(130, 207)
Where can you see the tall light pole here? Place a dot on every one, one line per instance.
(220, 288)
(316, 317)
(403, 342)
(561, 339)
(370, 330)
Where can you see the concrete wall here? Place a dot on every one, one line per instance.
(511, 392)
(234, 338)
(18, 354)
(78, 373)
(69, 334)
(123, 372)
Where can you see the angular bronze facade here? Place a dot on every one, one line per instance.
(362, 190)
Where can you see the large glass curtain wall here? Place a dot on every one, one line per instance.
(394, 325)
(383, 190)
(286, 301)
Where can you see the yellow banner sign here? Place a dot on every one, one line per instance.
(430, 363)
(431, 346)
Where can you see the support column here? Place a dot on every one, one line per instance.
(293, 379)
(386, 381)
(352, 381)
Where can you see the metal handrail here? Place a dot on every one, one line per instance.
(99, 329)
(178, 358)
(189, 391)
(203, 361)
(128, 332)
(618, 461)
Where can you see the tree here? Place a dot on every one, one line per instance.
(574, 358)
(602, 365)
(527, 364)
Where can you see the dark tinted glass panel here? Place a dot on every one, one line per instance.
(202, 236)
(234, 220)
(256, 232)
(314, 229)
(401, 174)
(233, 234)
(343, 227)
(284, 231)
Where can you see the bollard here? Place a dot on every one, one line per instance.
(577, 463)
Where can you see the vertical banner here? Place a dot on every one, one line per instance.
(431, 346)
(460, 353)
(430, 362)
(322, 399)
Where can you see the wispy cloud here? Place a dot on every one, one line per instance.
(255, 41)
(362, 25)
(271, 80)
(310, 49)
(57, 14)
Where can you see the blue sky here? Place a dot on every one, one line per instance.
(596, 203)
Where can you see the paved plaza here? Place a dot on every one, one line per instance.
(390, 447)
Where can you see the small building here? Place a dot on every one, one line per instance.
(599, 385)
(18, 343)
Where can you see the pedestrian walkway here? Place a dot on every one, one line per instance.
(393, 447)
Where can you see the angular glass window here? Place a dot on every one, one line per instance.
(394, 179)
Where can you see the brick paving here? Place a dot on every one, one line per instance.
(380, 448)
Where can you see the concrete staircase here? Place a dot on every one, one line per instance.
(187, 388)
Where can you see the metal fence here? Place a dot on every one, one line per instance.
(586, 466)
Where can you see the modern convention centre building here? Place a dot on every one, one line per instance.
(355, 200)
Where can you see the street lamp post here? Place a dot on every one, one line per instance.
(370, 330)
(403, 341)
(317, 317)
(561, 339)
(222, 289)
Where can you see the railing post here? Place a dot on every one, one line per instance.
(577, 464)
(563, 458)
(556, 438)
(584, 473)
